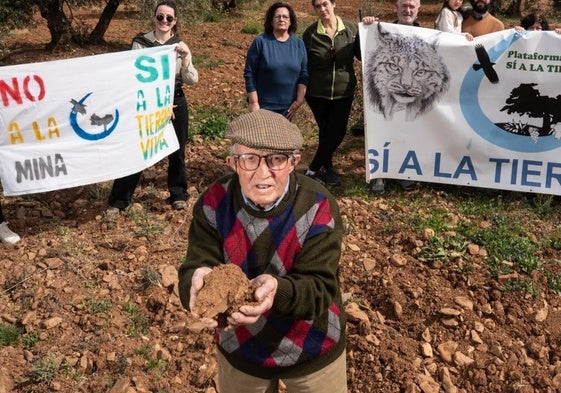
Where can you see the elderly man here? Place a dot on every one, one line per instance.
(407, 11)
(284, 230)
(480, 21)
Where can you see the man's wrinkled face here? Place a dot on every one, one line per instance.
(407, 11)
(265, 184)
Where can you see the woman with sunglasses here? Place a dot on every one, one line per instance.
(332, 44)
(164, 33)
(276, 67)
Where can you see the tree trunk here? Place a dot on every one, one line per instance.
(57, 22)
(96, 36)
(514, 8)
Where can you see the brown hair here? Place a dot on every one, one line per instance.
(170, 4)
(268, 25)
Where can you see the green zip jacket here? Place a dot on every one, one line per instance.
(331, 62)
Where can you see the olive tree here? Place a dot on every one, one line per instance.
(59, 15)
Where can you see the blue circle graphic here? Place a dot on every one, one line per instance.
(83, 133)
(481, 124)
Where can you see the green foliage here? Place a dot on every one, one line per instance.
(9, 334)
(148, 227)
(157, 365)
(443, 248)
(44, 370)
(554, 240)
(187, 11)
(504, 240)
(93, 306)
(212, 16)
(29, 340)
(206, 60)
(522, 284)
(143, 351)
(252, 28)
(150, 277)
(435, 218)
(210, 123)
(15, 14)
(138, 321)
(554, 282)
(99, 191)
(542, 204)
(501, 223)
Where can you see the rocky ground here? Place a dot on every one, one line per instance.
(97, 302)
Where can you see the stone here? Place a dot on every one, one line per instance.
(446, 350)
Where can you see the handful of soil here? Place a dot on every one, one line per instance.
(226, 288)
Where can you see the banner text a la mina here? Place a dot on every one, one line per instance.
(79, 121)
(485, 113)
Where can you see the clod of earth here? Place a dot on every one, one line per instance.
(226, 288)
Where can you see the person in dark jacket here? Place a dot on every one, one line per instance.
(332, 45)
(165, 33)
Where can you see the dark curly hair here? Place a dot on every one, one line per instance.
(268, 25)
(529, 20)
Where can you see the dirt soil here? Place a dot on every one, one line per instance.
(226, 288)
(97, 300)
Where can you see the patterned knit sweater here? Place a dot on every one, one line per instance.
(299, 243)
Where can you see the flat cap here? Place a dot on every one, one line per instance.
(265, 130)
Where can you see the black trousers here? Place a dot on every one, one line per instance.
(1, 215)
(123, 188)
(332, 117)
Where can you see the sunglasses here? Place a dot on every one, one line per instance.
(168, 18)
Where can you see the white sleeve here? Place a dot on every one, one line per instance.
(447, 21)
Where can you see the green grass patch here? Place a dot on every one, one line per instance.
(94, 306)
(150, 277)
(29, 340)
(206, 60)
(505, 240)
(138, 321)
(9, 335)
(252, 28)
(210, 123)
(44, 370)
(148, 227)
(444, 249)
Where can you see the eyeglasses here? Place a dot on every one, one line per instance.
(279, 17)
(168, 18)
(251, 161)
(332, 52)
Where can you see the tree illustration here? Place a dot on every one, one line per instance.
(526, 99)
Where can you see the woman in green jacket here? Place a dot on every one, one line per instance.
(332, 45)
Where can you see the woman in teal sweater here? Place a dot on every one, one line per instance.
(276, 67)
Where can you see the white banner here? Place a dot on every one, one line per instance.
(72, 122)
(485, 113)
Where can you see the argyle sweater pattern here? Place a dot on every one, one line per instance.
(270, 243)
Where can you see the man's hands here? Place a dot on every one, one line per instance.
(197, 282)
(265, 288)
